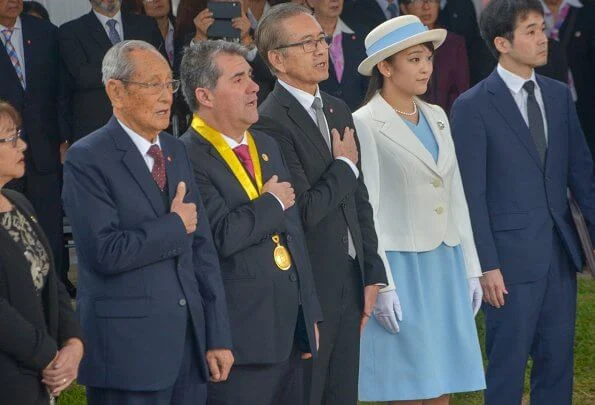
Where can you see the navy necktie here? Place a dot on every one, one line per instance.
(535, 115)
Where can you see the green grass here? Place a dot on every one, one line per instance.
(584, 349)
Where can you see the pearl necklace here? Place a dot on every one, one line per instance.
(408, 114)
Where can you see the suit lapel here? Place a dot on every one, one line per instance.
(437, 125)
(397, 132)
(135, 163)
(128, 28)
(551, 117)
(303, 121)
(97, 31)
(504, 103)
(28, 43)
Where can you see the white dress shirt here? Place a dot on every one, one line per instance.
(17, 41)
(141, 144)
(515, 85)
(233, 144)
(104, 19)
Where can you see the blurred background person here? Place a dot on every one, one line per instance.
(36, 9)
(255, 10)
(40, 345)
(572, 23)
(161, 11)
(369, 13)
(425, 236)
(29, 81)
(132, 6)
(450, 75)
(346, 51)
(83, 44)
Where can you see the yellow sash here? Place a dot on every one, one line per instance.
(215, 138)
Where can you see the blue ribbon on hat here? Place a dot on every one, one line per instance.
(395, 36)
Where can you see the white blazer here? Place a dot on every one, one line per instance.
(418, 203)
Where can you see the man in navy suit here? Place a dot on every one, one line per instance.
(29, 82)
(520, 148)
(150, 296)
(272, 302)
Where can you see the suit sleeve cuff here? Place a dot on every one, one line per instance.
(353, 167)
(278, 199)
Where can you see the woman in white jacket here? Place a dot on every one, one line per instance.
(423, 227)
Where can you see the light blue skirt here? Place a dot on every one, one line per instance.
(437, 350)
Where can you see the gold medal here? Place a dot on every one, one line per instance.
(281, 255)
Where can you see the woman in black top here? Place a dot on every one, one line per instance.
(40, 344)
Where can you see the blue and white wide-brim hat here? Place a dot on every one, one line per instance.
(395, 35)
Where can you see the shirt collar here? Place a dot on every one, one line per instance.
(232, 142)
(514, 82)
(341, 27)
(141, 143)
(304, 98)
(17, 25)
(384, 4)
(104, 19)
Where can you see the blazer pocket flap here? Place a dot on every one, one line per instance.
(509, 222)
(122, 307)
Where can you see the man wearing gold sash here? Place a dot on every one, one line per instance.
(272, 302)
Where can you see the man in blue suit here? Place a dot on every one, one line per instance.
(151, 299)
(520, 148)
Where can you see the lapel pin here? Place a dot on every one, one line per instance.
(28, 42)
(440, 125)
(265, 157)
(169, 159)
(33, 219)
(353, 37)
(330, 110)
(577, 34)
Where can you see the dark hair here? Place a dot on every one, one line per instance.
(270, 33)
(34, 7)
(377, 80)
(131, 6)
(170, 15)
(7, 110)
(500, 18)
(187, 10)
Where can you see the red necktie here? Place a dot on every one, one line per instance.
(243, 154)
(158, 171)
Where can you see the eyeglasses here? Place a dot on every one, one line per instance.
(311, 44)
(13, 139)
(156, 88)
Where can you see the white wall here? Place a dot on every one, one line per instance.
(65, 10)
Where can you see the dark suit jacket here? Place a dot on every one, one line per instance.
(353, 86)
(31, 333)
(516, 204)
(140, 275)
(577, 36)
(329, 197)
(450, 77)
(460, 17)
(362, 15)
(83, 44)
(38, 104)
(262, 300)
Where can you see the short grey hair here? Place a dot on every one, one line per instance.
(198, 68)
(117, 63)
(270, 33)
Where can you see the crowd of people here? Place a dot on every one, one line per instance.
(312, 212)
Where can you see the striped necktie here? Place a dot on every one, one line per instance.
(12, 54)
(113, 34)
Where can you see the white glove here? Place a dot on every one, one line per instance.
(475, 294)
(388, 310)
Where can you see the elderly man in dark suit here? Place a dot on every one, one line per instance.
(83, 44)
(256, 228)
(315, 132)
(29, 72)
(520, 148)
(151, 299)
